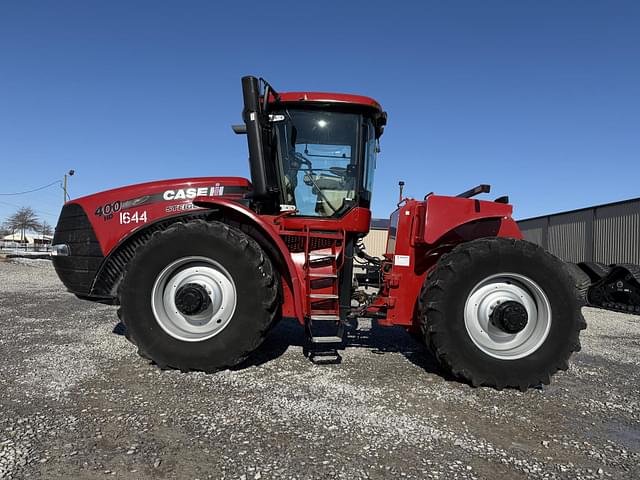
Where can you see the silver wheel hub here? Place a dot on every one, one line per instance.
(193, 299)
(507, 316)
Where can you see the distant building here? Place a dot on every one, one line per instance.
(28, 239)
(376, 240)
(608, 233)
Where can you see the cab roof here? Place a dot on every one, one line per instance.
(335, 98)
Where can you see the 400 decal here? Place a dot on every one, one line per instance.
(107, 210)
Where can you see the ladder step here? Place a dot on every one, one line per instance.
(323, 295)
(321, 256)
(320, 282)
(321, 259)
(333, 339)
(327, 235)
(323, 275)
(320, 312)
(327, 356)
(321, 318)
(321, 262)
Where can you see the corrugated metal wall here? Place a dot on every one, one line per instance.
(617, 233)
(606, 233)
(535, 230)
(567, 236)
(376, 242)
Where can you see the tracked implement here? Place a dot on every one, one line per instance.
(202, 268)
(614, 287)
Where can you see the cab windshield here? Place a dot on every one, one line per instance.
(319, 160)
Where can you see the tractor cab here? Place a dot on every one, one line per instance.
(313, 154)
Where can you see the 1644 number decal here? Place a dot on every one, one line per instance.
(137, 217)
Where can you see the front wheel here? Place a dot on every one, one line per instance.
(199, 296)
(501, 312)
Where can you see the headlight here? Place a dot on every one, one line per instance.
(60, 250)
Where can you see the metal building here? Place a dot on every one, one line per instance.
(376, 240)
(608, 233)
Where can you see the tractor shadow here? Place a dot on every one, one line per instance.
(365, 335)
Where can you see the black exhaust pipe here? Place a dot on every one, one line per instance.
(253, 117)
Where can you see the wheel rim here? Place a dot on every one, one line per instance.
(195, 273)
(499, 289)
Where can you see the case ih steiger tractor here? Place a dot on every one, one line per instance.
(202, 268)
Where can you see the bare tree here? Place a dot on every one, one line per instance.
(7, 228)
(24, 219)
(45, 229)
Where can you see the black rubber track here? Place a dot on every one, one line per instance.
(596, 271)
(600, 297)
(258, 301)
(619, 307)
(446, 289)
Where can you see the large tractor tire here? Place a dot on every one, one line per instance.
(199, 296)
(501, 313)
(581, 281)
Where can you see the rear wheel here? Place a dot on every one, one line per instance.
(501, 312)
(581, 280)
(198, 296)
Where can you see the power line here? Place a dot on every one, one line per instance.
(31, 191)
(49, 214)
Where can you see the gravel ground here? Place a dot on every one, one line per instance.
(77, 402)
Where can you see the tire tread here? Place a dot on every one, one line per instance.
(433, 316)
(251, 253)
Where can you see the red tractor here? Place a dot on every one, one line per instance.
(202, 268)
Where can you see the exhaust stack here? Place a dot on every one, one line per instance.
(252, 116)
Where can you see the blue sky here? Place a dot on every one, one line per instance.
(540, 99)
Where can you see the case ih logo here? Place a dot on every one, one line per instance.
(184, 193)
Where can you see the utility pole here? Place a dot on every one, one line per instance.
(68, 174)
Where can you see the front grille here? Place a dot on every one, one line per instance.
(319, 243)
(77, 270)
(295, 243)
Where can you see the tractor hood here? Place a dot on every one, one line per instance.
(169, 190)
(115, 214)
(90, 228)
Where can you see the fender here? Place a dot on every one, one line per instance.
(109, 273)
(440, 215)
(420, 232)
(271, 233)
